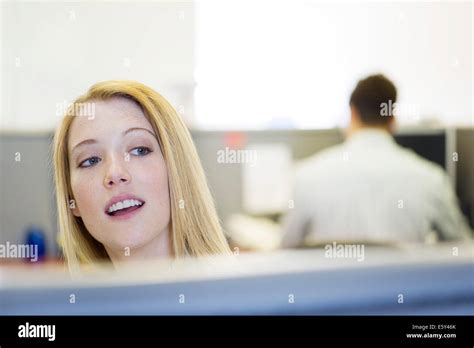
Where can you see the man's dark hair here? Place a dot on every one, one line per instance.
(373, 97)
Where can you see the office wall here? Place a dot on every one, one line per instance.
(306, 55)
(52, 52)
(296, 62)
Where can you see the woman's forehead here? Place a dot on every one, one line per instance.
(106, 118)
(115, 109)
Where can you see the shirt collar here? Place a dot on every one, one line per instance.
(370, 137)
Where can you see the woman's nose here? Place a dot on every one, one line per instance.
(116, 172)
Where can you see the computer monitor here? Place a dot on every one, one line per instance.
(431, 146)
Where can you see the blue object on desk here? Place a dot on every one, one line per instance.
(36, 236)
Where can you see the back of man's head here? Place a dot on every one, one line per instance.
(374, 99)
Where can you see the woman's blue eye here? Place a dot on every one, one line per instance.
(89, 162)
(140, 151)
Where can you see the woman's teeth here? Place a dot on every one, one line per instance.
(123, 205)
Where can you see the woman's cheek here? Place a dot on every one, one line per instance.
(157, 179)
(85, 193)
(151, 172)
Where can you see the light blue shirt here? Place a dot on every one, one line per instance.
(371, 189)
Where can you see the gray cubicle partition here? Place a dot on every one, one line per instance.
(413, 281)
(26, 187)
(427, 290)
(225, 180)
(465, 171)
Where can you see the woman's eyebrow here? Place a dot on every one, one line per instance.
(84, 142)
(137, 129)
(93, 141)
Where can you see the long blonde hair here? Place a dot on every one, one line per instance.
(194, 224)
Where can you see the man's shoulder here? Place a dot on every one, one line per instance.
(330, 154)
(397, 159)
(320, 162)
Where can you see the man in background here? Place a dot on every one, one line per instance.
(369, 189)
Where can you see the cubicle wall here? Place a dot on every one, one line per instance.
(225, 179)
(431, 280)
(26, 187)
(465, 171)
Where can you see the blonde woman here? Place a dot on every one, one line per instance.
(129, 183)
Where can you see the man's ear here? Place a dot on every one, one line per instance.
(355, 117)
(74, 208)
(354, 114)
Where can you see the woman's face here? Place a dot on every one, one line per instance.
(119, 178)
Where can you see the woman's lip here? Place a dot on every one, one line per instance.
(127, 215)
(121, 198)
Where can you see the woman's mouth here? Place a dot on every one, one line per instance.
(125, 208)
